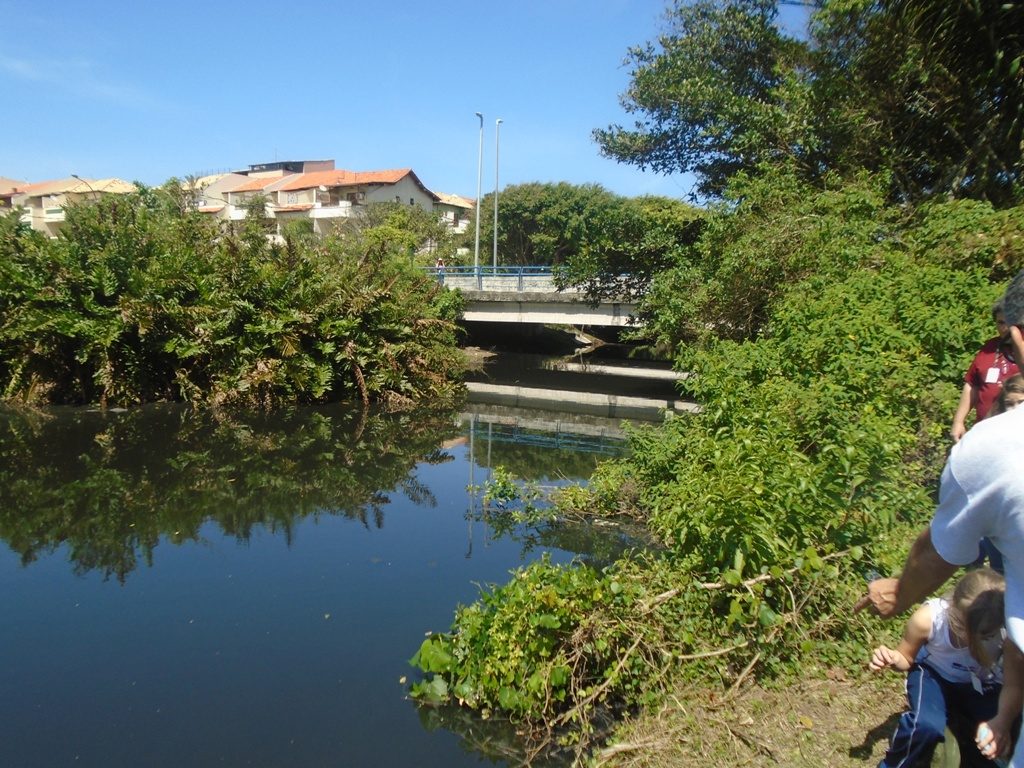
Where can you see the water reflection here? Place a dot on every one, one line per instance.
(110, 485)
(313, 548)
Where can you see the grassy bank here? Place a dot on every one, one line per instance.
(834, 719)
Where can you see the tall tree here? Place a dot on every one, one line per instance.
(542, 223)
(930, 92)
(631, 243)
(720, 92)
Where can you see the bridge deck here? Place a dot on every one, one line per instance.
(528, 295)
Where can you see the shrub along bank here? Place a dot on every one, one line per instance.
(823, 428)
(142, 298)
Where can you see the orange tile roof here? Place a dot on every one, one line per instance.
(256, 184)
(77, 186)
(210, 208)
(344, 178)
(289, 208)
(54, 187)
(9, 186)
(112, 185)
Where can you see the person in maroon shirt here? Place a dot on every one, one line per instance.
(995, 362)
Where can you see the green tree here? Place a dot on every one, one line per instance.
(628, 244)
(541, 223)
(609, 245)
(257, 221)
(720, 92)
(398, 230)
(770, 232)
(928, 92)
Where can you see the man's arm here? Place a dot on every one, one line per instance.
(924, 572)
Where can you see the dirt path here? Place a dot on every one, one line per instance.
(834, 722)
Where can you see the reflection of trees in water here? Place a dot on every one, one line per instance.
(109, 486)
(599, 542)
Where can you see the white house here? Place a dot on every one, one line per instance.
(324, 196)
(454, 210)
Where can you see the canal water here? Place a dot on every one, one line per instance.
(183, 588)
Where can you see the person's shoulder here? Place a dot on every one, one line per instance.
(990, 346)
(921, 620)
(1001, 426)
(986, 351)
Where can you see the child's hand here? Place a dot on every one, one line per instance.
(883, 657)
(993, 738)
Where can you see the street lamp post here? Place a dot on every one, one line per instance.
(497, 144)
(91, 190)
(479, 176)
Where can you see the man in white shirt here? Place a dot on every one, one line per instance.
(982, 494)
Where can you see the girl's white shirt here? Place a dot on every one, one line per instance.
(956, 664)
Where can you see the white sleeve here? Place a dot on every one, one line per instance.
(959, 524)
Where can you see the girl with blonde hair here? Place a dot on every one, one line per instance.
(951, 652)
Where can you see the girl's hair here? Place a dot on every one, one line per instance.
(976, 610)
(1013, 385)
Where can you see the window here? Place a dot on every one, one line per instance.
(412, 201)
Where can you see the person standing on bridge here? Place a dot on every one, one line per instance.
(439, 266)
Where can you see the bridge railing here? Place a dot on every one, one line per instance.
(501, 433)
(504, 278)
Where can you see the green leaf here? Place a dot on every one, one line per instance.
(547, 621)
(432, 656)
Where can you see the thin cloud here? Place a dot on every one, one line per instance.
(78, 77)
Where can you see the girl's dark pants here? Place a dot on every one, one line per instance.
(933, 700)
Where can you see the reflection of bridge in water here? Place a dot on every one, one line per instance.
(498, 424)
(517, 433)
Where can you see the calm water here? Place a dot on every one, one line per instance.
(183, 590)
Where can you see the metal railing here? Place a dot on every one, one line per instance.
(504, 278)
(609, 446)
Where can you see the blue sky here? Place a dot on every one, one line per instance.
(145, 91)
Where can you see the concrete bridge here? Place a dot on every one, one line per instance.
(527, 295)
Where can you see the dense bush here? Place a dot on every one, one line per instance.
(770, 232)
(142, 298)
